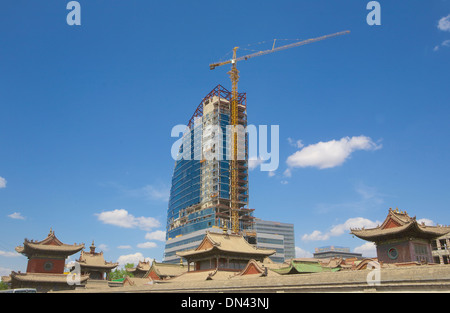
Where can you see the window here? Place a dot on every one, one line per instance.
(48, 266)
(393, 253)
(420, 249)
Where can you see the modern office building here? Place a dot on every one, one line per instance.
(441, 249)
(277, 236)
(200, 193)
(335, 252)
(272, 242)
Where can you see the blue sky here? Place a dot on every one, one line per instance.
(87, 111)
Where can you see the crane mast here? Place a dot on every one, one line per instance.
(234, 195)
(234, 76)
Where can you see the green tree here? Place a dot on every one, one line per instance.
(3, 285)
(121, 273)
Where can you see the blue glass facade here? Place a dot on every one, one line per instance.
(200, 192)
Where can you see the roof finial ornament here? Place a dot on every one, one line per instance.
(92, 247)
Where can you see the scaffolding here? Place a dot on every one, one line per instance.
(211, 182)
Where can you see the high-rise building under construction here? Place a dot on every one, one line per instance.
(201, 183)
(210, 180)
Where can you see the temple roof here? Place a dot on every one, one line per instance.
(260, 268)
(197, 276)
(142, 266)
(302, 266)
(134, 281)
(44, 278)
(227, 243)
(166, 269)
(50, 245)
(94, 259)
(399, 224)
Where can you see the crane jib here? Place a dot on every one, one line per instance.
(234, 76)
(292, 45)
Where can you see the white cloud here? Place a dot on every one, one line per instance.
(156, 193)
(131, 258)
(369, 199)
(254, 163)
(150, 192)
(338, 230)
(287, 172)
(271, 173)
(156, 235)
(368, 193)
(331, 153)
(300, 253)
(9, 254)
(356, 222)
(146, 245)
(103, 247)
(445, 43)
(2, 182)
(426, 221)
(16, 216)
(295, 143)
(124, 219)
(367, 250)
(5, 271)
(124, 247)
(444, 23)
(315, 236)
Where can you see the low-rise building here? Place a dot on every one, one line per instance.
(441, 249)
(335, 252)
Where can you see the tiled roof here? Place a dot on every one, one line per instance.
(300, 267)
(95, 260)
(43, 278)
(261, 268)
(226, 243)
(202, 276)
(396, 223)
(167, 269)
(51, 244)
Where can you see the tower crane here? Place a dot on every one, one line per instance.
(234, 75)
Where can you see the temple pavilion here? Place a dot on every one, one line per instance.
(157, 272)
(223, 252)
(93, 264)
(140, 270)
(46, 263)
(164, 271)
(402, 239)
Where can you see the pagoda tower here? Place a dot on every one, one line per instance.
(46, 263)
(93, 264)
(402, 239)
